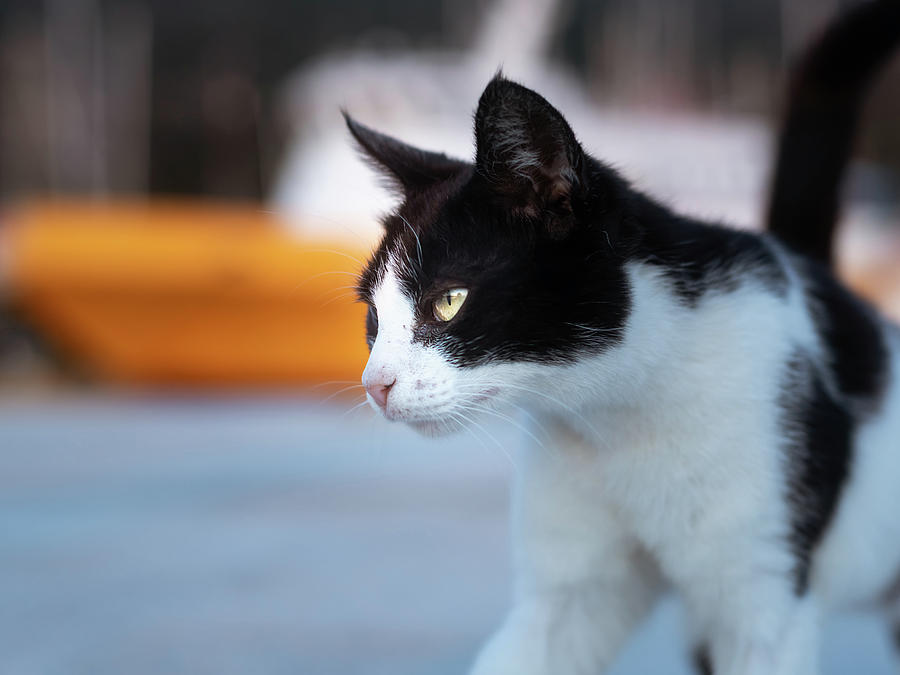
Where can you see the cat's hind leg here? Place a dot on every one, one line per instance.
(891, 608)
(701, 660)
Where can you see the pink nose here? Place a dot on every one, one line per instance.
(379, 391)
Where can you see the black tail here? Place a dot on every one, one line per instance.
(825, 98)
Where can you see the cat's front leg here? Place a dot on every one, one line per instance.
(582, 584)
(568, 630)
(765, 629)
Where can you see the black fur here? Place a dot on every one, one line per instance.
(699, 258)
(702, 661)
(823, 406)
(816, 141)
(541, 246)
(532, 296)
(406, 168)
(528, 154)
(819, 432)
(853, 336)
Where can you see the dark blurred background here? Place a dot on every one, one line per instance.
(160, 96)
(172, 97)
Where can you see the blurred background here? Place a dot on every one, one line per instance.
(190, 481)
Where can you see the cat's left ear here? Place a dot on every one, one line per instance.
(528, 152)
(407, 168)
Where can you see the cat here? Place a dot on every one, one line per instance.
(722, 416)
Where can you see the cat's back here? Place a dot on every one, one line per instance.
(774, 372)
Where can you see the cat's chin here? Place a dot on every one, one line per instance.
(434, 428)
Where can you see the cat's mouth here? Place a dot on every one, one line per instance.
(439, 421)
(436, 408)
(442, 422)
(455, 419)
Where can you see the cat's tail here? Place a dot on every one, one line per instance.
(824, 101)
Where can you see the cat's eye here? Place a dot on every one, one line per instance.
(446, 306)
(371, 326)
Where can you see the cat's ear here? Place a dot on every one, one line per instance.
(407, 168)
(528, 152)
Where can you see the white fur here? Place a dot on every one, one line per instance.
(661, 465)
(422, 395)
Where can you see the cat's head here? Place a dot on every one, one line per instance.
(494, 279)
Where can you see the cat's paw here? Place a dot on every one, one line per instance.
(508, 659)
(520, 647)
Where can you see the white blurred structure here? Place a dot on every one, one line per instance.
(427, 99)
(711, 166)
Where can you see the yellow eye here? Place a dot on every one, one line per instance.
(446, 306)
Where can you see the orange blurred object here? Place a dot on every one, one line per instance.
(185, 293)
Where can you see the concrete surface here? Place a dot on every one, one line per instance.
(186, 535)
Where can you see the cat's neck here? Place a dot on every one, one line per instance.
(673, 352)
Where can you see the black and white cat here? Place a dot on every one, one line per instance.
(724, 415)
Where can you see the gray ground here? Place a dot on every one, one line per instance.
(268, 536)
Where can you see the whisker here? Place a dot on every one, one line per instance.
(340, 253)
(356, 407)
(352, 287)
(493, 438)
(331, 382)
(462, 422)
(471, 405)
(341, 391)
(339, 296)
(416, 235)
(552, 399)
(592, 329)
(322, 274)
(466, 423)
(533, 420)
(343, 226)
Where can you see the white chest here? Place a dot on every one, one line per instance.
(680, 482)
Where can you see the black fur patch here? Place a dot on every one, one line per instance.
(824, 403)
(540, 233)
(699, 258)
(535, 296)
(532, 296)
(405, 167)
(702, 662)
(852, 333)
(819, 448)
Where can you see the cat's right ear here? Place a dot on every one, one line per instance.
(407, 168)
